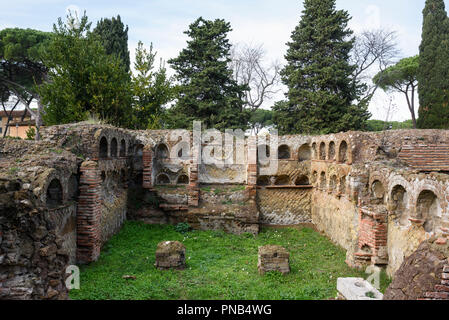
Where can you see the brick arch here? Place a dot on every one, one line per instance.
(380, 177)
(398, 180)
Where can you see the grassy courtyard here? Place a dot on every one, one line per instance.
(219, 266)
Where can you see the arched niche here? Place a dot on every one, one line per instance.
(263, 181)
(162, 151)
(302, 180)
(343, 152)
(378, 191)
(332, 151)
(398, 204)
(123, 148)
(314, 177)
(323, 182)
(283, 180)
(54, 194)
(322, 151)
(304, 153)
(114, 147)
(314, 151)
(333, 183)
(162, 179)
(183, 179)
(283, 152)
(427, 209)
(103, 148)
(342, 185)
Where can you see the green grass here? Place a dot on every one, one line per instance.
(219, 266)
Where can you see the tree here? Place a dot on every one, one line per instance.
(319, 75)
(151, 89)
(248, 65)
(433, 71)
(401, 78)
(373, 51)
(260, 119)
(22, 69)
(207, 90)
(83, 79)
(114, 37)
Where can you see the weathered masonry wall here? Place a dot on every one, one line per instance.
(377, 195)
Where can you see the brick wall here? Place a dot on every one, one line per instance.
(89, 213)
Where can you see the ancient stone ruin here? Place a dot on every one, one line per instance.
(170, 255)
(377, 195)
(273, 258)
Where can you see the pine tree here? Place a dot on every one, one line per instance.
(114, 37)
(207, 90)
(318, 75)
(433, 71)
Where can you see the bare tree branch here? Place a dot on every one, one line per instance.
(373, 51)
(248, 64)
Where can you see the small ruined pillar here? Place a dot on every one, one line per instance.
(193, 188)
(273, 258)
(88, 215)
(147, 167)
(251, 170)
(170, 255)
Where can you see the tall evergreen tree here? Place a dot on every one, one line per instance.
(207, 90)
(318, 74)
(433, 71)
(83, 79)
(114, 37)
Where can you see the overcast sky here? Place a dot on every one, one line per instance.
(266, 22)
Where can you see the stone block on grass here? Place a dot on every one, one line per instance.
(170, 255)
(273, 258)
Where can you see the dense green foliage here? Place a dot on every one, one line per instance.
(379, 125)
(219, 266)
(21, 66)
(260, 119)
(207, 90)
(114, 37)
(433, 72)
(151, 89)
(319, 76)
(402, 77)
(83, 78)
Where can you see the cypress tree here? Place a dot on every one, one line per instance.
(318, 75)
(433, 71)
(207, 90)
(114, 37)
